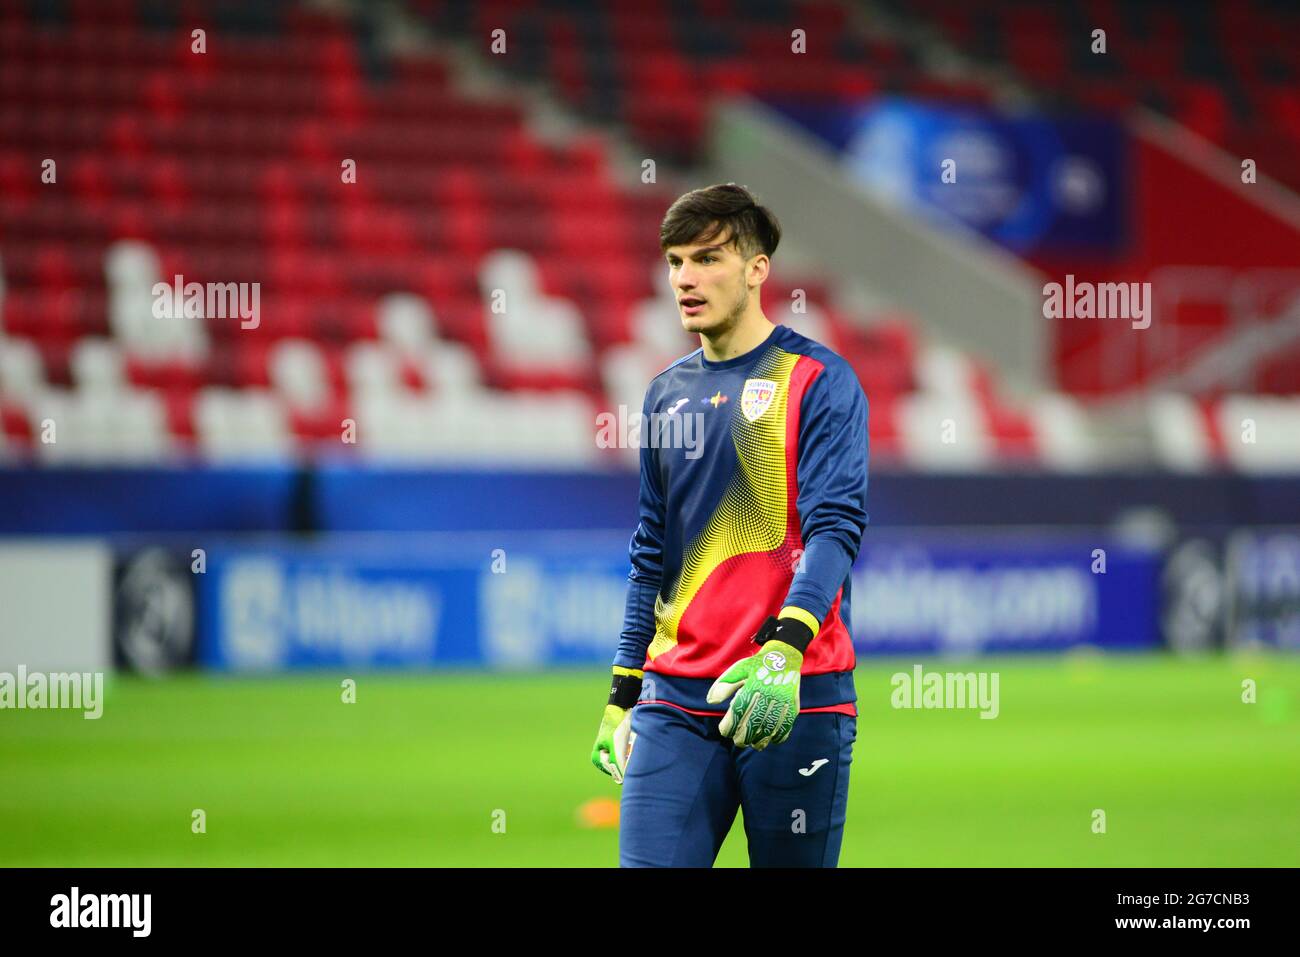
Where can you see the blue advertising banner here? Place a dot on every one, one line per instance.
(534, 601)
(1031, 183)
(370, 603)
(1002, 594)
(1262, 571)
(1235, 587)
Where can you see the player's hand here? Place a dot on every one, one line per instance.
(766, 689)
(613, 742)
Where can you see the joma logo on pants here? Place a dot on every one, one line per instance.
(102, 910)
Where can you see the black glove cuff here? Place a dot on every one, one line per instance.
(625, 691)
(790, 630)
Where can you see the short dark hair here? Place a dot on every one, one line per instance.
(703, 214)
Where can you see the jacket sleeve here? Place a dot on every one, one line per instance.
(832, 499)
(646, 552)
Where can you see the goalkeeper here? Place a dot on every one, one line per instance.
(733, 680)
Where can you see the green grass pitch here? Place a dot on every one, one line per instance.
(414, 772)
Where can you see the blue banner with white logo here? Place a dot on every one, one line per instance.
(373, 603)
(1262, 572)
(1032, 183)
(1003, 594)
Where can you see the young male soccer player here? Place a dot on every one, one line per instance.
(738, 598)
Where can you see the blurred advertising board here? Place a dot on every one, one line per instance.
(1236, 588)
(153, 608)
(1262, 572)
(465, 601)
(384, 605)
(1032, 183)
(1002, 594)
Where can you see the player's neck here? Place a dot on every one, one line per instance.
(752, 330)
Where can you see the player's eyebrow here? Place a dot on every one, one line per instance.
(698, 252)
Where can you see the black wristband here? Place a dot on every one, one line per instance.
(790, 630)
(625, 691)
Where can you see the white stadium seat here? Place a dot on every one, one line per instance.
(297, 372)
(530, 330)
(406, 321)
(511, 271)
(246, 424)
(449, 367)
(99, 427)
(1061, 433)
(371, 367)
(523, 428)
(1178, 436)
(944, 432)
(409, 330)
(1260, 433)
(97, 366)
(22, 373)
(942, 370)
(132, 269)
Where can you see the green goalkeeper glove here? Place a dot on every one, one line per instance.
(765, 685)
(614, 739)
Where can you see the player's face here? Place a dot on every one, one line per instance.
(708, 282)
